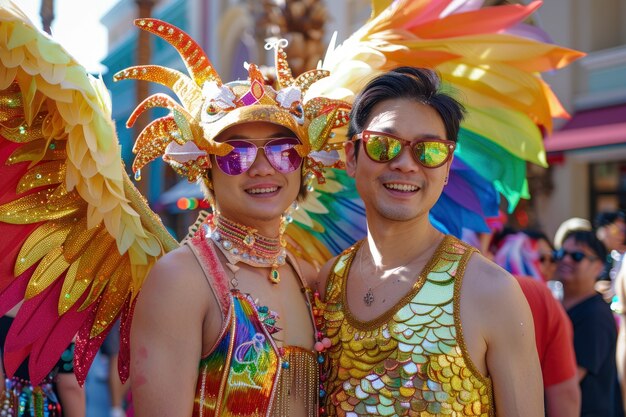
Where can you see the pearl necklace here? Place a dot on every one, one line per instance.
(241, 243)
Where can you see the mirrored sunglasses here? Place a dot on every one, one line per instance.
(281, 153)
(385, 147)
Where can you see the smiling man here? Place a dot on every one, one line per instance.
(420, 323)
(580, 261)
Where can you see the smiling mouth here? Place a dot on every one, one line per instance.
(263, 190)
(405, 188)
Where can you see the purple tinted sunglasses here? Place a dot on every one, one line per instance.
(282, 154)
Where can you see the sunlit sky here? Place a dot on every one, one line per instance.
(77, 27)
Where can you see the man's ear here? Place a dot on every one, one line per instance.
(350, 148)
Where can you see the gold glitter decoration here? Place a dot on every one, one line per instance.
(48, 270)
(41, 241)
(209, 106)
(299, 380)
(197, 63)
(113, 298)
(38, 150)
(38, 207)
(284, 76)
(153, 140)
(50, 173)
(22, 133)
(10, 103)
(158, 100)
(78, 239)
(188, 92)
(305, 80)
(89, 270)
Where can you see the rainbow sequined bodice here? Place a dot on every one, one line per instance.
(247, 373)
(411, 361)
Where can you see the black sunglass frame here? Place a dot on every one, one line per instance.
(577, 256)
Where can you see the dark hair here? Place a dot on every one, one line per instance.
(419, 84)
(589, 239)
(608, 217)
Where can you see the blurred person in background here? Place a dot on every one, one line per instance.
(579, 262)
(611, 230)
(568, 226)
(105, 391)
(528, 256)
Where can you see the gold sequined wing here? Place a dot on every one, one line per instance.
(78, 238)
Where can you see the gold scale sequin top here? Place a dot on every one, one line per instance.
(411, 361)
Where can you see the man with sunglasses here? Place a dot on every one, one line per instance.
(579, 263)
(419, 320)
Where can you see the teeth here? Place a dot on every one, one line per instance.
(262, 190)
(402, 187)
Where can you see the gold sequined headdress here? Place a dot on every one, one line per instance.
(185, 137)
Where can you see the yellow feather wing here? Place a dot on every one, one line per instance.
(80, 238)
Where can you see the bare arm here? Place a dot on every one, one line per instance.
(166, 337)
(563, 399)
(500, 313)
(116, 388)
(517, 383)
(72, 395)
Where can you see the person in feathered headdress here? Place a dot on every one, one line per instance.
(225, 321)
(224, 324)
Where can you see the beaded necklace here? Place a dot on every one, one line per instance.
(241, 243)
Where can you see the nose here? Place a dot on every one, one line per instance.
(261, 167)
(404, 162)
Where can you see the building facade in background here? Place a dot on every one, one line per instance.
(587, 153)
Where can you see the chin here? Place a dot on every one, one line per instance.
(398, 212)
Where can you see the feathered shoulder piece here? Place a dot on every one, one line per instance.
(78, 238)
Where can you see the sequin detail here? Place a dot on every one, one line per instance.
(411, 361)
(21, 399)
(246, 373)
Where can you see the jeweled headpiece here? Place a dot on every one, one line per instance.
(186, 137)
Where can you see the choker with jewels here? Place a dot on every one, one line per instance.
(241, 243)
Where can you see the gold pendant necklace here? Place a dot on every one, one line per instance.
(241, 243)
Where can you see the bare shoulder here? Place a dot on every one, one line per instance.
(488, 278)
(309, 272)
(495, 293)
(322, 276)
(176, 277)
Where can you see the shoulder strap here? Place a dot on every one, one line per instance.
(339, 272)
(213, 270)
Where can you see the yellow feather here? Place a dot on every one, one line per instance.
(38, 207)
(113, 298)
(41, 241)
(48, 270)
(50, 173)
